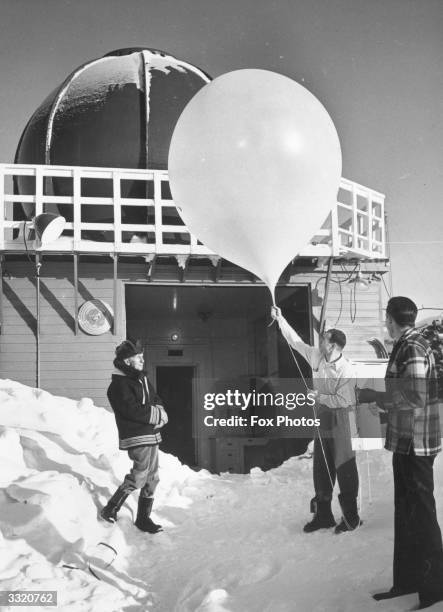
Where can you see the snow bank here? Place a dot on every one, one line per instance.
(232, 543)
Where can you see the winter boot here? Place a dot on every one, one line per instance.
(323, 518)
(350, 519)
(109, 512)
(393, 592)
(143, 520)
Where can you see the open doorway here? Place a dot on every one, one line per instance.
(196, 336)
(174, 386)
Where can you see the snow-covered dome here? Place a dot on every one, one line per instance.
(116, 111)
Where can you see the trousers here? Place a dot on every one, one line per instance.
(144, 472)
(418, 551)
(346, 473)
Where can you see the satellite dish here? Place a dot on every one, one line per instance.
(95, 317)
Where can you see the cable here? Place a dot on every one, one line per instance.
(386, 289)
(353, 303)
(297, 364)
(26, 244)
(346, 280)
(339, 282)
(341, 305)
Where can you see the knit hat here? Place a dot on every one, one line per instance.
(128, 349)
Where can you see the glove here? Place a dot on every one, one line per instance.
(163, 417)
(276, 313)
(367, 396)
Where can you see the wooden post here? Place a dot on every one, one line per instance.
(158, 222)
(37, 327)
(114, 294)
(76, 258)
(354, 218)
(116, 203)
(76, 207)
(325, 298)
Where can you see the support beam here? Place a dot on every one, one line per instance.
(114, 294)
(182, 262)
(150, 265)
(38, 265)
(325, 298)
(76, 260)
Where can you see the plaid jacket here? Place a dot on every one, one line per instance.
(411, 397)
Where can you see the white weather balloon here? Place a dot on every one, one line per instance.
(254, 166)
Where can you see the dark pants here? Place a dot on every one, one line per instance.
(418, 553)
(346, 474)
(144, 471)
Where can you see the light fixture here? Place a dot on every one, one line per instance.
(48, 227)
(175, 337)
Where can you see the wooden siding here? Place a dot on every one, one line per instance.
(73, 366)
(79, 366)
(360, 319)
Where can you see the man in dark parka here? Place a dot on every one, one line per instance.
(139, 415)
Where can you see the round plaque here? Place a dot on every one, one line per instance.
(95, 317)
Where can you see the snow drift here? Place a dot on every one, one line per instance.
(232, 543)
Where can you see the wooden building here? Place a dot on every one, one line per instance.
(200, 317)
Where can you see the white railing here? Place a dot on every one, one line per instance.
(117, 210)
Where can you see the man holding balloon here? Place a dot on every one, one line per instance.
(334, 458)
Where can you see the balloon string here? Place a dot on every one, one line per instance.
(297, 364)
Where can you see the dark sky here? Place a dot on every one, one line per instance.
(376, 65)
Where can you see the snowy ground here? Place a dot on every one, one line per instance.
(232, 543)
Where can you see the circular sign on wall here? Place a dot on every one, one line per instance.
(95, 317)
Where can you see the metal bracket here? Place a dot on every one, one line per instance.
(150, 264)
(182, 262)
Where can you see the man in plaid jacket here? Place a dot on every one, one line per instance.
(413, 435)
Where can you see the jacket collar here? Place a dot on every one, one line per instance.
(406, 334)
(117, 372)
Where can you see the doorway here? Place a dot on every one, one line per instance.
(174, 385)
(196, 334)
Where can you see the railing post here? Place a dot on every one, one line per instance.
(38, 191)
(354, 218)
(116, 201)
(386, 247)
(335, 246)
(76, 207)
(158, 211)
(370, 226)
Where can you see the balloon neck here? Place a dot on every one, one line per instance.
(272, 291)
